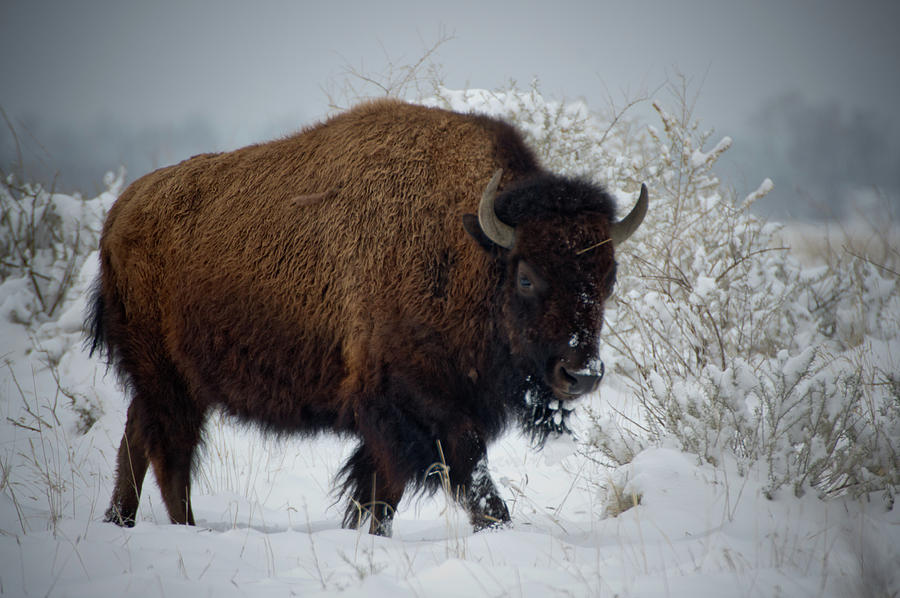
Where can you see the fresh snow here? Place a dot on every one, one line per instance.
(267, 526)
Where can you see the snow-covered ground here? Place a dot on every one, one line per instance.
(267, 525)
(663, 523)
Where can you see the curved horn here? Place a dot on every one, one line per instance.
(621, 230)
(499, 232)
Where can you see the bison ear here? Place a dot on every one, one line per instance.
(470, 223)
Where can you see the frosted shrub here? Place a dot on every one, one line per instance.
(44, 238)
(726, 341)
(741, 348)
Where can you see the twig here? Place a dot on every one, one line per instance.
(12, 130)
(744, 258)
(21, 425)
(869, 261)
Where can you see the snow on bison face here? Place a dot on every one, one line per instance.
(557, 243)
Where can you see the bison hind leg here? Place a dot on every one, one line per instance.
(172, 452)
(163, 429)
(131, 467)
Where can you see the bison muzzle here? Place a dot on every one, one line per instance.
(404, 275)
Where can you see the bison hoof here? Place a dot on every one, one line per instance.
(113, 515)
(494, 514)
(384, 528)
(492, 524)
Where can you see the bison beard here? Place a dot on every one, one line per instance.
(340, 280)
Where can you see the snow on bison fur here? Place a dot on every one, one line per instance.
(405, 275)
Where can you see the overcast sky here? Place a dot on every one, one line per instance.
(810, 91)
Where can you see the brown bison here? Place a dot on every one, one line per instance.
(406, 275)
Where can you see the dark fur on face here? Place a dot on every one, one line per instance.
(543, 194)
(542, 416)
(560, 224)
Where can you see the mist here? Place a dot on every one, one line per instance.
(808, 92)
(828, 162)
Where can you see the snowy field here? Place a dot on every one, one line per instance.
(739, 495)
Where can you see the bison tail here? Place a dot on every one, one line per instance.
(95, 321)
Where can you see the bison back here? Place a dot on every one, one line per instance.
(277, 277)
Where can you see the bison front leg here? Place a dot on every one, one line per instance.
(373, 494)
(476, 493)
(481, 500)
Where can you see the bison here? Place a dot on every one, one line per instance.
(408, 276)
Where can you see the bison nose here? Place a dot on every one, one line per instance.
(571, 383)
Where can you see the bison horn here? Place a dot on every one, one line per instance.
(493, 228)
(621, 230)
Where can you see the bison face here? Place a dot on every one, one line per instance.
(556, 240)
(553, 300)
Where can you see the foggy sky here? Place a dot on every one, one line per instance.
(808, 90)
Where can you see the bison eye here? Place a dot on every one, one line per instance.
(528, 282)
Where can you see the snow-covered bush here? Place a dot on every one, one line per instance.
(727, 341)
(742, 348)
(44, 238)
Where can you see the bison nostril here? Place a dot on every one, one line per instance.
(580, 381)
(564, 376)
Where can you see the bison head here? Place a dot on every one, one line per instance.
(554, 239)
